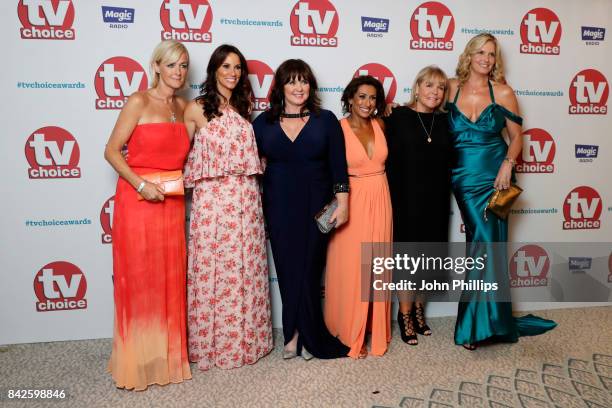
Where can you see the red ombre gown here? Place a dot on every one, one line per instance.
(149, 263)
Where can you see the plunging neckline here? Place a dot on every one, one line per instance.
(296, 136)
(492, 104)
(363, 148)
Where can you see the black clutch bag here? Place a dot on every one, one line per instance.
(322, 218)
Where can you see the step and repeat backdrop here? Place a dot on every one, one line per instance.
(70, 65)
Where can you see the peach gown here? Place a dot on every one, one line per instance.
(370, 220)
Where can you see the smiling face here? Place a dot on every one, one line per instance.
(296, 93)
(483, 60)
(430, 94)
(228, 74)
(173, 73)
(363, 102)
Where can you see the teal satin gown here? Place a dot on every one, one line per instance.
(479, 152)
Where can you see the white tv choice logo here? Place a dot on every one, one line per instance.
(46, 19)
(384, 76)
(52, 152)
(588, 93)
(106, 220)
(432, 26)
(529, 267)
(538, 152)
(261, 77)
(116, 79)
(582, 209)
(540, 32)
(186, 20)
(60, 286)
(314, 23)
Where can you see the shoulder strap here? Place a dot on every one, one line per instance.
(491, 92)
(456, 95)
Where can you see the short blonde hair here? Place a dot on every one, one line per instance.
(165, 51)
(472, 47)
(429, 72)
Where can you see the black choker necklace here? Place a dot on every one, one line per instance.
(295, 115)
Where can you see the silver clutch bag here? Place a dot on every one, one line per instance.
(322, 218)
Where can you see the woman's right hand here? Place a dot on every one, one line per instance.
(389, 108)
(152, 192)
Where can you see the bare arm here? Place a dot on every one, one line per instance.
(194, 118)
(507, 99)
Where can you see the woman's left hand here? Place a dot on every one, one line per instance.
(502, 181)
(340, 215)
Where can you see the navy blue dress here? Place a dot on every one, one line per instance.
(297, 182)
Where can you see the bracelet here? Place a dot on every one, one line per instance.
(141, 186)
(341, 188)
(510, 160)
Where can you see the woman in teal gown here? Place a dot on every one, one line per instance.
(482, 105)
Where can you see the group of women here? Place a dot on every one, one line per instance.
(208, 301)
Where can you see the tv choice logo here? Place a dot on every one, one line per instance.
(46, 19)
(374, 27)
(540, 32)
(593, 35)
(538, 152)
(116, 79)
(529, 267)
(582, 208)
(588, 93)
(383, 74)
(586, 153)
(52, 152)
(314, 23)
(261, 77)
(432, 26)
(186, 20)
(118, 17)
(60, 286)
(579, 264)
(106, 220)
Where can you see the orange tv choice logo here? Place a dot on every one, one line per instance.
(106, 220)
(314, 23)
(582, 209)
(186, 20)
(432, 26)
(60, 286)
(52, 152)
(538, 152)
(588, 93)
(384, 76)
(529, 267)
(116, 79)
(46, 19)
(261, 77)
(540, 32)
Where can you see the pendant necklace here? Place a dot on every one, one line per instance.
(433, 119)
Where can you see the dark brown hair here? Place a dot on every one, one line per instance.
(354, 85)
(285, 73)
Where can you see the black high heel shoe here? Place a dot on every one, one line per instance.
(419, 316)
(406, 326)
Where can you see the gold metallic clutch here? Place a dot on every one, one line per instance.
(501, 201)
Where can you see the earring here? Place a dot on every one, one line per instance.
(350, 107)
(416, 97)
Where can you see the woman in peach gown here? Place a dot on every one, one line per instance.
(352, 308)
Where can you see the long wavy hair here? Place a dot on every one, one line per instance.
(471, 48)
(242, 95)
(353, 86)
(430, 72)
(292, 69)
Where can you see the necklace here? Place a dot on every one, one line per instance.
(433, 119)
(168, 106)
(295, 115)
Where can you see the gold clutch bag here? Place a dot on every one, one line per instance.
(501, 201)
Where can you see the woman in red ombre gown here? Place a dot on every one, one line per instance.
(149, 252)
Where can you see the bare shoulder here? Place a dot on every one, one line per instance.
(453, 85)
(380, 122)
(194, 113)
(138, 99)
(504, 95)
(192, 107)
(182, 102)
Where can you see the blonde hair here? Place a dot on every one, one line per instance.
(165, 51)
(429, 72)
(471, 48)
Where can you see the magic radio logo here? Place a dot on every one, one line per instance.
(46, 19)
(261, 77)
(538, 152)
(186, 20)
(540, 32)
(582, 209)
(432, 26)
(52, 152)
(106, 220)
(383, 74)
(60, 286)
(588, 93)
(116, 79)
(529, 267)
(314, 23)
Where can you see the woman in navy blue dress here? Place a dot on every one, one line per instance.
(303, 147)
